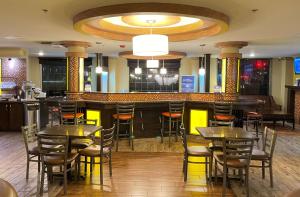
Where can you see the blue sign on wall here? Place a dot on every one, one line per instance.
(187, 83)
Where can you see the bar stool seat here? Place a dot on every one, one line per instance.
(123, 116)
(71, 116)
(172, 115)
(224, 117)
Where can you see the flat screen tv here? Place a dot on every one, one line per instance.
(297, 65)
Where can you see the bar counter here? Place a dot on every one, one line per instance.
(149, 106)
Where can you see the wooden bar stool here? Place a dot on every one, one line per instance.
(124, 116)
(69, 113)
(175, 116)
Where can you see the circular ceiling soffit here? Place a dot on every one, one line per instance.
(172, 55)
(178, 21)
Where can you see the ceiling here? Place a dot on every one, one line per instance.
(272, 31)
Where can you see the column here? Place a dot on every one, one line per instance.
(75, 67)
(230, 67)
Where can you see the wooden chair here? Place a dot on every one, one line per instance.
(255, 117)
(175, 116)
(218, 145)
(124, 116)
(265, 155)
(69, 113)
(223, 112)
(31, 146)
(236, 155)
(54, 152)
(6, 189)
(102, 149)
(195, 151)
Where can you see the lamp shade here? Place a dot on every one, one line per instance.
(150, 45)
(163, 71)
(138, 70)
(152, 63)
(99, 69)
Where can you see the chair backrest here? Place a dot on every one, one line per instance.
(107, 138)
(269, 141)
(125, 108)
(183, 137)
(215, 123)
(176, 107)
(30, 136)
(235, 149)
(53, 146)
(222, 108)
(68, 108)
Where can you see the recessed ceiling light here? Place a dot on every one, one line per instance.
(202, 45)
(254, 10)
(41, 53)
(45, 10)
(252, 54)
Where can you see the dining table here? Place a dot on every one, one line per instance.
(220, 133)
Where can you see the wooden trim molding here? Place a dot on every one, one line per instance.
(170, 56)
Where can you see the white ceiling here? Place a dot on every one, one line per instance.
(272, 31)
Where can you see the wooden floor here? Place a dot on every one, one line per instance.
(153, 169)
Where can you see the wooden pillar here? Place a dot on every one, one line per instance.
(75, 67)
(230, 61)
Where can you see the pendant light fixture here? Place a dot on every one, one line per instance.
(138, 70)
(202, 67)
(163, 70)
(150, 44)
(152, 63)
(99, 68)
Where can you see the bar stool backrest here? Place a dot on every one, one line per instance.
(176, 107)
(68, 108)
(222, 108)
(30, 136)
(56, 146)
(269, 141)
(125, 108)
(235, 149)
(183, 137)
(215, 123)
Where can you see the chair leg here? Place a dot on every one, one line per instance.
(39, 163)
(91, 166)
(177, 129)
(224, 180)
(42, 179)
(263, 169)
(78, 167)
(27, 168)
(216, 172)
(206, 174)
(118, 129)
(247, 181)
(271, 173)
(170, 130)
(210, 168)
(85, 165)
(110, 165)
(101, 170)
(65, 180)
(162, 128)
(185, 168)
(131, 134)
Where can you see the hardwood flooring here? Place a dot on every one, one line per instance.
(153, 170)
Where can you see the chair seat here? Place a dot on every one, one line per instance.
(71, 116)
(198, 151)
(259, 155)
(172, 115)
(254, 115)
(59, 160)
(93, 151)
(224, 117)
(81, 143)
(233, 163)
(123, 116)
(34, 150)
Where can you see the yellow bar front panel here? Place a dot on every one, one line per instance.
(198, 118)
(92, 114)
(224, 65)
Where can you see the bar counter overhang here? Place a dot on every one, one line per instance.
(149, 106)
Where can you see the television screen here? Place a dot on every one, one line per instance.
(297, 65)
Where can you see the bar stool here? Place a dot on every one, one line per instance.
(255, 117)
(124, 116)
(173, 116)
(69, 113)
(223, 112)
(54, 113)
